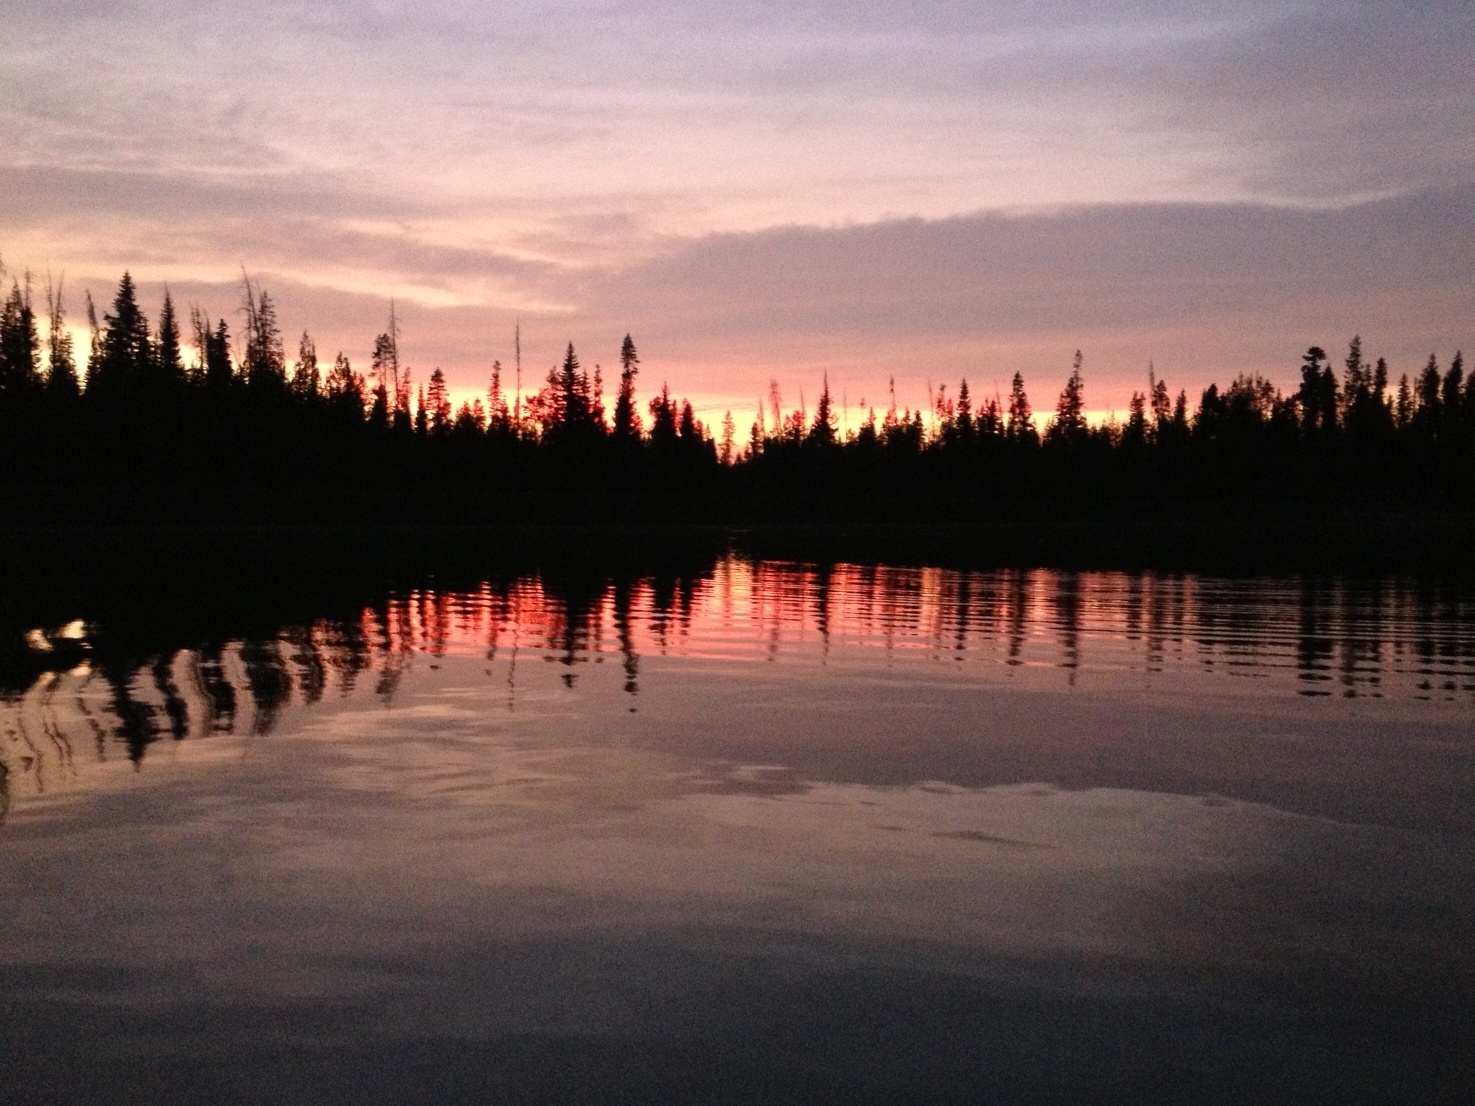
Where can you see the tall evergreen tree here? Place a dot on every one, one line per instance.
(1356, 379)
(663, 415)
(1069, 423)
(219, 374)
(20, 345)
(1427, 410)
(306, 377)
(965, 411)
(96, 351)
(499, 412)
(265, 363)
(384, 372)
(1021, 425)
(1454, 381)
(729, 443)
(1134, 434)
(574, 386)
(627, 418)
(438, 402)
(822, 433)
(61, 374)
(1403, 410)
(1310, 394)
(126, 348)
(344, 389)
(167, 358)
(1162, 404)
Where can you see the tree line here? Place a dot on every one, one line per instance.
(189, 403)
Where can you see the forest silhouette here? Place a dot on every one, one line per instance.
(194, 405)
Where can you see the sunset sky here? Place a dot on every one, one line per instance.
(930, 190)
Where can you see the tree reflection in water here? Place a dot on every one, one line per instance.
(77, 695)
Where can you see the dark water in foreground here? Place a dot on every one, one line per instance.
(754, 833)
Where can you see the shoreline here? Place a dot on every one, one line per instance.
(266, 535)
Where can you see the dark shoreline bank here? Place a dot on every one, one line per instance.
(297, 536)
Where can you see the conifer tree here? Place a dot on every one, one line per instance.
(498, 414)
(965, 411)
(20, 345)
(1454, 381)
(61, 374)
(306, 378)
(1069, 423)
(1427, 408)
(384, 372)
(1403, 411)
(1356, 378)
(627, 419)
(438, 400)
(1134, 434)
(1310, 396)
(167, 352)
(663, 417)
(1021, 425)
(95, 349)
(822, 433)
(219, 373)
(729, 444)
(344, 389)
(126, 348)
(265, 363)
(574, 386)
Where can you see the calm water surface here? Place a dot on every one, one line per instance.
(756, 833)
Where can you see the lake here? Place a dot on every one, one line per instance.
(744, 831)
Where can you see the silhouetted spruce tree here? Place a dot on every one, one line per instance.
(1021, 425)
(306, 377)
(498, 413)
(61, 375)
(1450, 393)
(574, 386)
(545, 407)
(728, 447)
(1356, 380)
(265, 362)
(822, 433)
(438, 400)
(384, 371)
(95, 350)
(126, 348)
(20, 345)
(1309, 394)
(1426, 417)
(422, 417)
(663, 417)
(1134, 434)
(167, 356)
(1403, 406)
(990, 419)
(219, 373)
(344, 391)
(965, 413)
(1068, 427)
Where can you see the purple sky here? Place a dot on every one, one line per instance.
(929, 191)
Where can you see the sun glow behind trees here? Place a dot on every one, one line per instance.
(236, 414)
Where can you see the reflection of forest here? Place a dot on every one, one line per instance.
(80, 694)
